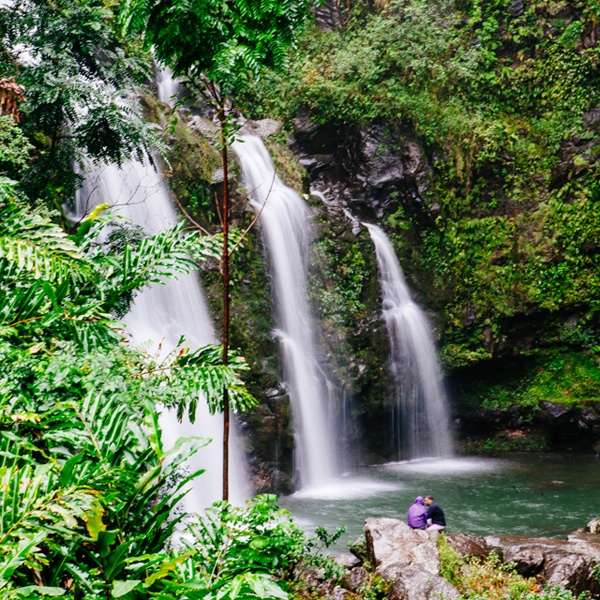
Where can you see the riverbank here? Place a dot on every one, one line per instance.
(418, 566)
(530, 494)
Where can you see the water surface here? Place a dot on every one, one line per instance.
(523, 494)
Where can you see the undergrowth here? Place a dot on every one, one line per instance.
(487, 578)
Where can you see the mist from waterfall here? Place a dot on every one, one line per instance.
(285, 224)
(162, 314)
(422, 421)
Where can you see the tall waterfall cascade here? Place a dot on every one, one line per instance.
(285, 225)
(422, 421)
(162, 314)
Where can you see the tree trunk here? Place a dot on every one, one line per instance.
(225, 305)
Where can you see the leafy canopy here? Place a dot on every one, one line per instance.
(219, 40)
(78, 81)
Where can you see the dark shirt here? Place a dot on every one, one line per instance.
(436, 514)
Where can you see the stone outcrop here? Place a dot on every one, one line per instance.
(569, 564)
(562, 427)
(467, 544)
(369, 171)
(408, 558)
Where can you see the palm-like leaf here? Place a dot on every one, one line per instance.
(31, 244)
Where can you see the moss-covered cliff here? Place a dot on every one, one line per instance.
(469, 131)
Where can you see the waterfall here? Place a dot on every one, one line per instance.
(162, 313)
(423, 422)
(285, 223)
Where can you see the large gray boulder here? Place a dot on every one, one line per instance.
(420, 585)
(348, 561)
(392, 545)
(407, 557)
(568, 564)
(468, 544)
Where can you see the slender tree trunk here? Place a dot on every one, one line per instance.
(225, 306)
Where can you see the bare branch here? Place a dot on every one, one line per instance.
(255, 218)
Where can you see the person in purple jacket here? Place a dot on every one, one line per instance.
(417, 514)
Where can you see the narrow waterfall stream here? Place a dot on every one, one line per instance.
(285, 223)
(163, 313)
(422, 420)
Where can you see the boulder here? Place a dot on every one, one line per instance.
(338, 593)
(354, 579)
(419, 585)
(392, 545)
(407, 557)
(593, 526)
(262, 128)
(467, 544)
(348, 561)
(203, 126)
(569, 564)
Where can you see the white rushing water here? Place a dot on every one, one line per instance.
(285, 224)
(423, 422)
(162, 314)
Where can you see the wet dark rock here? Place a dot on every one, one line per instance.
(591, 118)
(348, 561)
(517, 8)
(562, 427)
(370, 170)
(467, 544)
(355, 579)
(555, 411)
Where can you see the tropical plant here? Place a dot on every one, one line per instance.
(74, 81)
(217, 47)
(79, 423)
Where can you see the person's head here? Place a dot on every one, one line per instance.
(428, 500)
(419, 500)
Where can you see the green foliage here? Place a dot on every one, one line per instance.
(260, 538)
(222, 42)
(500, 104)
(483, 577)
(78, 82)
(89, 495)
(14, 147)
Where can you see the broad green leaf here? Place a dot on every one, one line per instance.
(40, 589)
(120, 588)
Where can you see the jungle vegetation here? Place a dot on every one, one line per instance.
(89, 498)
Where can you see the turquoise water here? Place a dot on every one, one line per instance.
(523, 494)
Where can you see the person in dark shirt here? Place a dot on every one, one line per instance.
(436, 521)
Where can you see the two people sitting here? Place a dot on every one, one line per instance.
(426, 514)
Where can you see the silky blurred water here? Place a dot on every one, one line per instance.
(522, 494)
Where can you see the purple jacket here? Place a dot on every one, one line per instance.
(417, 514)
